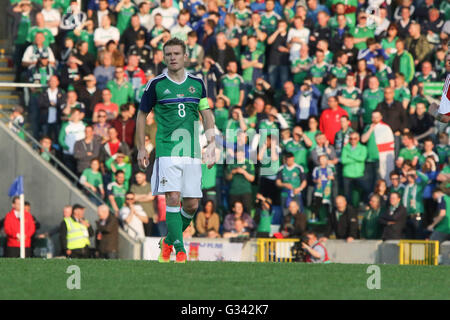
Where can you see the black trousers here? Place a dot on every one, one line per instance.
(14, 252)
(80, 253)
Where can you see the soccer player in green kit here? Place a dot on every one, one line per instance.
(176, 97)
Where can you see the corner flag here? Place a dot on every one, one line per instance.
(16, 188)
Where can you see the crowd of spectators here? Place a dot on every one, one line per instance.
(331, 97)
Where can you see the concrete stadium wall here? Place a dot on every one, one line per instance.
(128, 248)
(45, 188)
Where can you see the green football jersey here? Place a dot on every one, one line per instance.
(363, 32)
(221, 116)
(293, 176)
(370, 101)
(300, 76)
(401, 94)
(118, 191)
(124, 17)
(232, 86)
(409, 154)
(49, 39)
(176, 107)
(384, 76)
(354, 94)
(300, 152)
(319, 71)
(269, 22)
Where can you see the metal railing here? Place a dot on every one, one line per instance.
(274, 250)
(419, 252)
(35, 145)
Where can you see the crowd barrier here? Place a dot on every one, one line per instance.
(279, 250)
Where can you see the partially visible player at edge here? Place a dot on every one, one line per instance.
(441, 112)
(176, 97)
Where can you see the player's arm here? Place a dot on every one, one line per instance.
(209, 125)
(148, 101)
(434, 111)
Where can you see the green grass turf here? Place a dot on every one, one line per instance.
(123, 279)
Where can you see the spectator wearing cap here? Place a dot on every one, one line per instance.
(107, 234)
(143, 52)
(36, 51)
(39, 73)
(11, 226)
(74, 233)
(417, 45)
(88, 94)
(50, 102)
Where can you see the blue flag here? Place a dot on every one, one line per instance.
(16, 188)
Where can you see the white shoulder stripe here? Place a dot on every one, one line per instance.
(151, 80)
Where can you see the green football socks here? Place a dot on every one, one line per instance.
(174, 228)
(187, 218)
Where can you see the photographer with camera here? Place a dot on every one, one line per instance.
(316, 251)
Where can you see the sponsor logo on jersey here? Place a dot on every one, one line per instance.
(180, 95)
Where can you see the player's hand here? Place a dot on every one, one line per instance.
(143, 159)
(210, 154)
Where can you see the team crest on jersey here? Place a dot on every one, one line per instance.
(294, 174)
(191, 89)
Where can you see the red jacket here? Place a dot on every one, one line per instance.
(330, 122)
(12, 228)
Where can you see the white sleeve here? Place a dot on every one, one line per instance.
(444, 106)
(27, 54)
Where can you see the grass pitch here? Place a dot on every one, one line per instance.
(123, 279)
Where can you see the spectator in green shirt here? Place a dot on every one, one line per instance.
(121, 90)
(241, 175)
(353, 159)
(413, 201)
(116, 192)
(92, 178)
(370, 226)
(441, 223)
(409, 152)
(120, 162)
